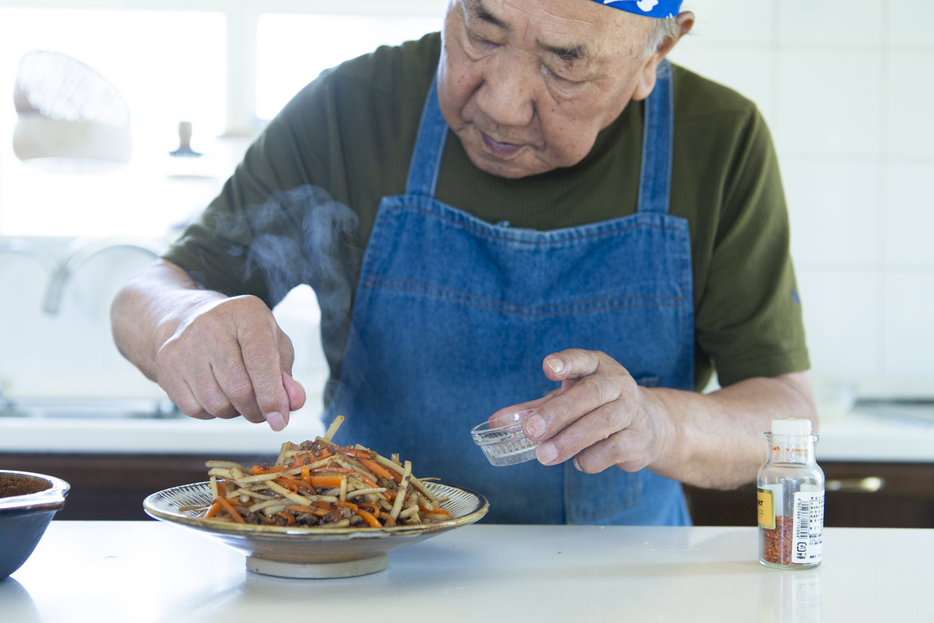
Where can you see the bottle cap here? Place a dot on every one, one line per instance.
(791, 426)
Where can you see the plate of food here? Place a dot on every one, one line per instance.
(320, 511)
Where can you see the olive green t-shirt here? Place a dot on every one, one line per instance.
(351, 133)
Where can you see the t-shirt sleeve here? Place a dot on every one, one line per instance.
(749, 317)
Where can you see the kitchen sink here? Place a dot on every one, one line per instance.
(908, 410)
(88, 408)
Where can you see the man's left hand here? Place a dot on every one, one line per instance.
(599, 416)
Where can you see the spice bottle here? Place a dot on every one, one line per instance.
(791, 498)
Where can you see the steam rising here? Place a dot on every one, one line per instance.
(302, 236)
(288, 259)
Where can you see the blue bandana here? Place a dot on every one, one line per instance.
(649, 8)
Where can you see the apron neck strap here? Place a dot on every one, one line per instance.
(655, 181)
(429, 145)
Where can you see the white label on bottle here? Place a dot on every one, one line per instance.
(808, 528)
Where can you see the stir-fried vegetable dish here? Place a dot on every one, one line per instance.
(319, 483)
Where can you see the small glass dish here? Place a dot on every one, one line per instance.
(505, 444)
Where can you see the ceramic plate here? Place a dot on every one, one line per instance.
(312, 552)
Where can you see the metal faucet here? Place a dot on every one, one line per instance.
(14, 245)
(84, 251)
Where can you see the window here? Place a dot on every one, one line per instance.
(225, 66)
(294, 49)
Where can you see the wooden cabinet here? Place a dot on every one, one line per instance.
(864, 495)
(113, 486)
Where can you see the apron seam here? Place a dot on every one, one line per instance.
(421, 287)
(624, 227)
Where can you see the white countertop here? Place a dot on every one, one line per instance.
(179, 435)
(856, 436)
(142, 572)
(865, 436)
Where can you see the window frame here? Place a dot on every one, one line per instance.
(242, 17)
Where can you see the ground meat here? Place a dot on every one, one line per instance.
(332, 517)
(255, 518)
(306, 519)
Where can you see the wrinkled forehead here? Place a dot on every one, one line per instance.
(582, 24)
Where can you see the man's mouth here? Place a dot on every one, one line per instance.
(500, 150)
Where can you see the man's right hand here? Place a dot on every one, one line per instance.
(214, 356)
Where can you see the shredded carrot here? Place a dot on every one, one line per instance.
(293, 484)
(216, 506)
(391, 494)
(341, 470)
(373, 508)
(259, 469)
(222, 488)
(289, 518)
(369, 518)
(354, 452)
(328, 469)
(379, 470)
(367, 481)
(324, 481)
(434, 511)
(230, 510)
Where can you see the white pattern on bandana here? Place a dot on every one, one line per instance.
(644, 5)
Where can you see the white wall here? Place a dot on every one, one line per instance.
(846, 87)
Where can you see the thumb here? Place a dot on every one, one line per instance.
(294, 390)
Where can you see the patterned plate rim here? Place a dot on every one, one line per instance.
(277, 532)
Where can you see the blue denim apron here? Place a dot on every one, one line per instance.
(453, 317)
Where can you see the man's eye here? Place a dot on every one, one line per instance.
(566, 82)
(483, 43)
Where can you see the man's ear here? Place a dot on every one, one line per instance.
(650, 69)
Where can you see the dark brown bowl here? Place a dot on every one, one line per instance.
(27, 504)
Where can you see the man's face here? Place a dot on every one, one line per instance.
(526, 85)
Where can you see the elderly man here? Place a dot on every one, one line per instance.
(530, 210)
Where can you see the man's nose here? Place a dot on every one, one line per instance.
(507, 96)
